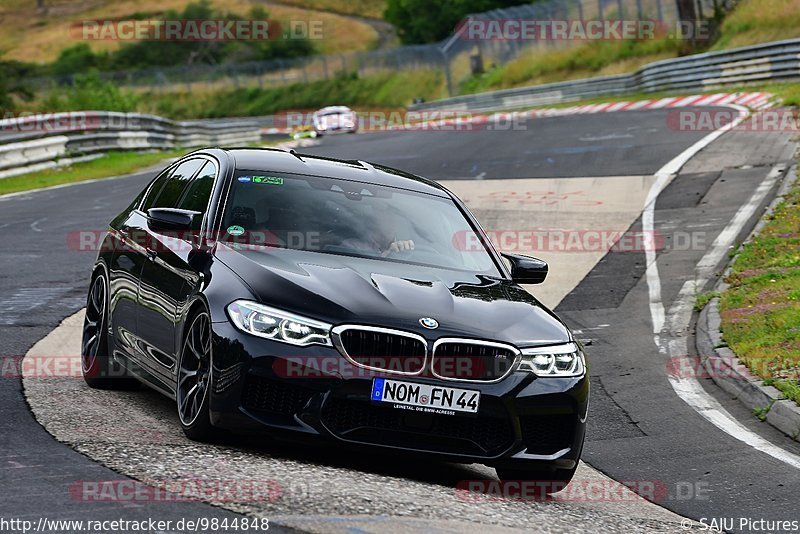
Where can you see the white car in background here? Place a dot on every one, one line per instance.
(335, 119)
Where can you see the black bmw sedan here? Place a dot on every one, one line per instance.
(269, 291)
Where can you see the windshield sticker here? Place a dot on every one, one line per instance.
(271, 180)
(244, 179)
(235, 230)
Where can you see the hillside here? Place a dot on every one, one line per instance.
(372, 9)
(750, 22)
(33, 36)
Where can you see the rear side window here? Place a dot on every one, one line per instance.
(174, 187)
(198, 193)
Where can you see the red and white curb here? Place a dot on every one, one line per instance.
(753, 101)
(429, 119)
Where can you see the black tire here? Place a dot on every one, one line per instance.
(98, 369)
(192, 394)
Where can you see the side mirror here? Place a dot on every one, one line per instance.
(171, 219)
(527, 270)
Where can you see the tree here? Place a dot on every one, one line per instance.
(686, 10)
(426, 21)
(11, 72)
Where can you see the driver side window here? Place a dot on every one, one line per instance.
(198, 193)
(155, 189)
(173, 189)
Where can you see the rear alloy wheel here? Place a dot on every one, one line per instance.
(99, 370)
(194, 380)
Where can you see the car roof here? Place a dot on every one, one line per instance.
(289, 161)
(331, 109)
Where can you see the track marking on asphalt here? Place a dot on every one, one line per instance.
(663, 177)
(568, 209)
(26, 299)
(668, 328)
(35, 224)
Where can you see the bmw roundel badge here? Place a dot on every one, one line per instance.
(429, 322)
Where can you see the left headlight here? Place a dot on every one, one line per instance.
(263, 321)
(565, 360)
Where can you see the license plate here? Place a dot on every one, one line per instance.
(425, 397)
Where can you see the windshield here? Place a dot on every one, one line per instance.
(330, 216)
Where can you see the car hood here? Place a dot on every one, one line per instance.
(350, 290)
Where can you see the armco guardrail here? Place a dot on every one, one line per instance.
(30, 141)
(45, 124)
(539, 95)
(777, 61)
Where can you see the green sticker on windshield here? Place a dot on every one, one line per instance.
(235, 230)
(271, 180)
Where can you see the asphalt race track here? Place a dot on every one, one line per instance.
(640, 430)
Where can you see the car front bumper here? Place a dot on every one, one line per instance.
(260, 385)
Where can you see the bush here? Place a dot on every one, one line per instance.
(143, 54)
(90, 92)
(11, 74)
(389, 90)
(78, 58)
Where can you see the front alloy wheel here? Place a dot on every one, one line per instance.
(194, 380)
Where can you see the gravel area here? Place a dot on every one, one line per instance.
(312, 488)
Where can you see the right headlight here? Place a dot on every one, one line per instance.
(565, 360)
(278, 325)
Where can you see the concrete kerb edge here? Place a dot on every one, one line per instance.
(722, 364)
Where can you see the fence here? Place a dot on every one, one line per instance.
(452, 55)
(777, 61)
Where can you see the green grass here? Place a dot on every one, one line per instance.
(761, 309)
(362, 8)
(703, 299)
(789, 93)
(385, 90)
(759, 21)
(750, 22)
(111, 164)
(580, 61)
